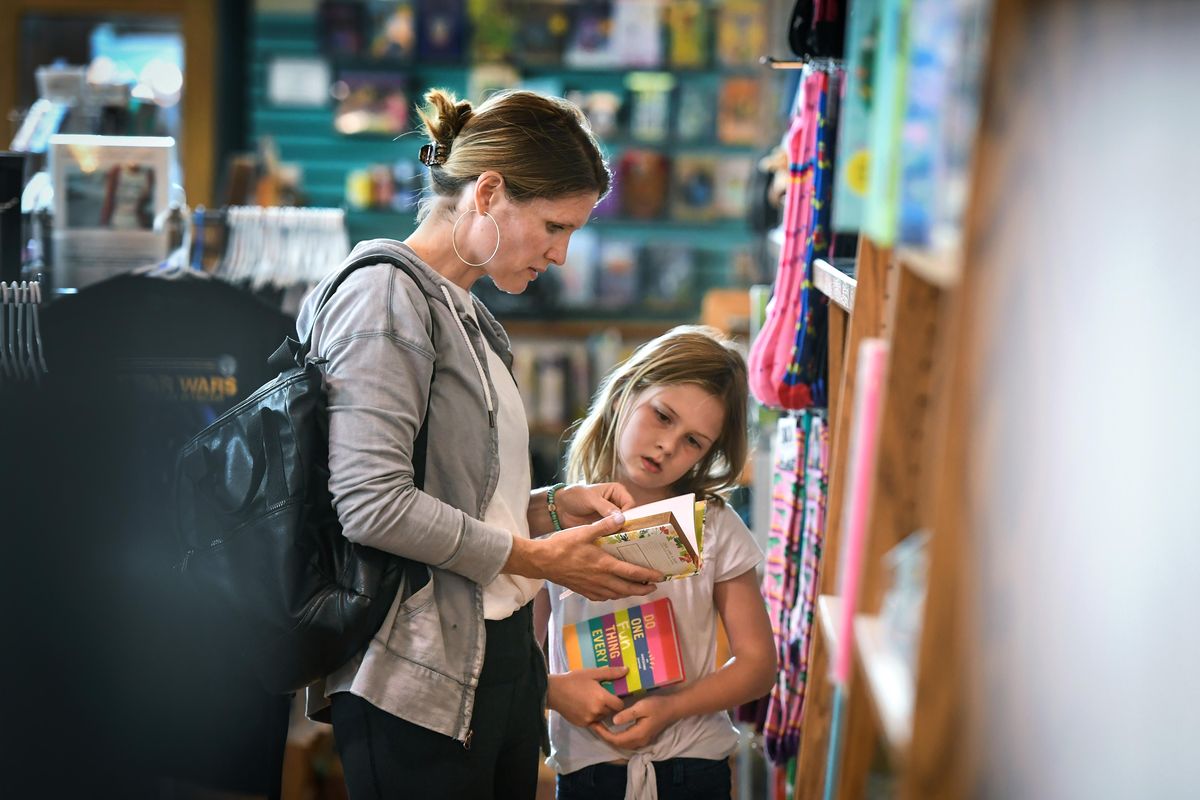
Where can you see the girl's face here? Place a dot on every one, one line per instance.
(533, 235)
(669, 429)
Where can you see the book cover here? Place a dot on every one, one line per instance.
(688, 24)
(696, 112)
(616, 281)
(887, 114)
(738, 109)
(492, 30)
(577, 276)
(733, 186)
(542, 29)
(590, 44)
(643, 638)
(657, 542)
(694, 188)
(341, 28)
(442, 30)
(394, 30)
(852, 166)
(666, 535)
(669, 277)
(636, 33)
(643, 177)
(371, 102)
(741, 33)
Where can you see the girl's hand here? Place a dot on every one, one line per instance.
(580, 698)
(650, 716)
(581, 503)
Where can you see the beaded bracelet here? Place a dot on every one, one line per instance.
(552, 507)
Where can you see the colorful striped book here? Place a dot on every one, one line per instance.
(643, 638)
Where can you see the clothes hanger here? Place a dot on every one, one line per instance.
(36, 290)
(4, 366)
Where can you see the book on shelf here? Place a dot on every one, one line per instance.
(852, 165)
(371, 102)
(602, 108)
(694, 188)
(591, 44)
(695, 112)
(616, 280)
(738, 111)
(741, 33)
(393, 30)
(668, 277)
(666, 536)
(688, 26)
(442, 30)
(644, 638)
(541, 31)
(492, 31)
(733, 186)
(643, 177)
(341, 28)
(636, 33)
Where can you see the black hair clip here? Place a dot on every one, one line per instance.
(434, 155)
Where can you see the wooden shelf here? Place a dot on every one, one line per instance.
(890, 682)
(940, 269)
(829, 610)
(834, 284)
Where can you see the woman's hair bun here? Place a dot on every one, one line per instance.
(444, 116)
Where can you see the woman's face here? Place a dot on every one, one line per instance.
(533, 235)
(669, 429)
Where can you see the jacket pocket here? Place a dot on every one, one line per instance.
(419, 599)
(416, 634)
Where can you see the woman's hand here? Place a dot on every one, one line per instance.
(580, 698)
(572, 559)
(650, 716)
(581, 503)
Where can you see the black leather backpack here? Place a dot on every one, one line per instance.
(261, 541)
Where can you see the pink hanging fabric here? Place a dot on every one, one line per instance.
(772, 350)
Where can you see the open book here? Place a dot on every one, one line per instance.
(666, 536)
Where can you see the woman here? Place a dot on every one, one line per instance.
(447, 700)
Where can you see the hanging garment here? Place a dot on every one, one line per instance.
(771, 351)
(803, 379)
(799, 637)
(138, 364)
(780, 577)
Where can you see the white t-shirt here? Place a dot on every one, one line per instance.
(510, 503)
(729, 551)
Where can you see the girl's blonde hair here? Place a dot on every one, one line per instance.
(688, 354)
(543, 146)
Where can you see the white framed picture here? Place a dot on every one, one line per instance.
(107, 192)
(298, 81)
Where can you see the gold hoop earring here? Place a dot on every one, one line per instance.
(454, 244)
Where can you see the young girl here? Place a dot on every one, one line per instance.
(671, 420)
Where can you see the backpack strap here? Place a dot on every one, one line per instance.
(293, 352)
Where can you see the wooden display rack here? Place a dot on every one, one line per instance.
(919, 729)
(896, 302)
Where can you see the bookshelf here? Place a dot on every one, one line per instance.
(945, 319)
(722, 249)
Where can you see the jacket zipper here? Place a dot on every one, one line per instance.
(487, 392)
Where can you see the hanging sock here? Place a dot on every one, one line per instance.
(771, 351)
(802, 380)
(804, 610)
(783, 571)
